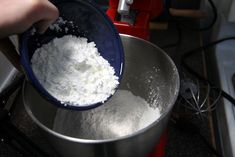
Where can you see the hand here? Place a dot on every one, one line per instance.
(16, 16)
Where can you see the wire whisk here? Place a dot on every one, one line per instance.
(198, 97)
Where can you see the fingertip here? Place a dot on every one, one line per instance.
(42, 26)
(53, 11)
(48, 14)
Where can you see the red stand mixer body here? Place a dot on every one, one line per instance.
(145, 11)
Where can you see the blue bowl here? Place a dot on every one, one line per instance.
(90, 22)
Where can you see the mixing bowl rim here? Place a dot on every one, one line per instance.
(90, 141)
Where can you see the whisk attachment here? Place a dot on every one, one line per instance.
(195, 95)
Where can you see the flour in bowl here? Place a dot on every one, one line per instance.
(124, 114)
(71, 70)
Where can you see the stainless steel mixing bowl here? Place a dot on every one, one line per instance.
(149, 73)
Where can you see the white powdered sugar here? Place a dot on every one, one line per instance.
(57, 25)
(62, 25)
(122, 115)
(72, 71)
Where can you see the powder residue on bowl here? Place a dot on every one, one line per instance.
(72, 71)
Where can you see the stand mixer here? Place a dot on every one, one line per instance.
(132, 18)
